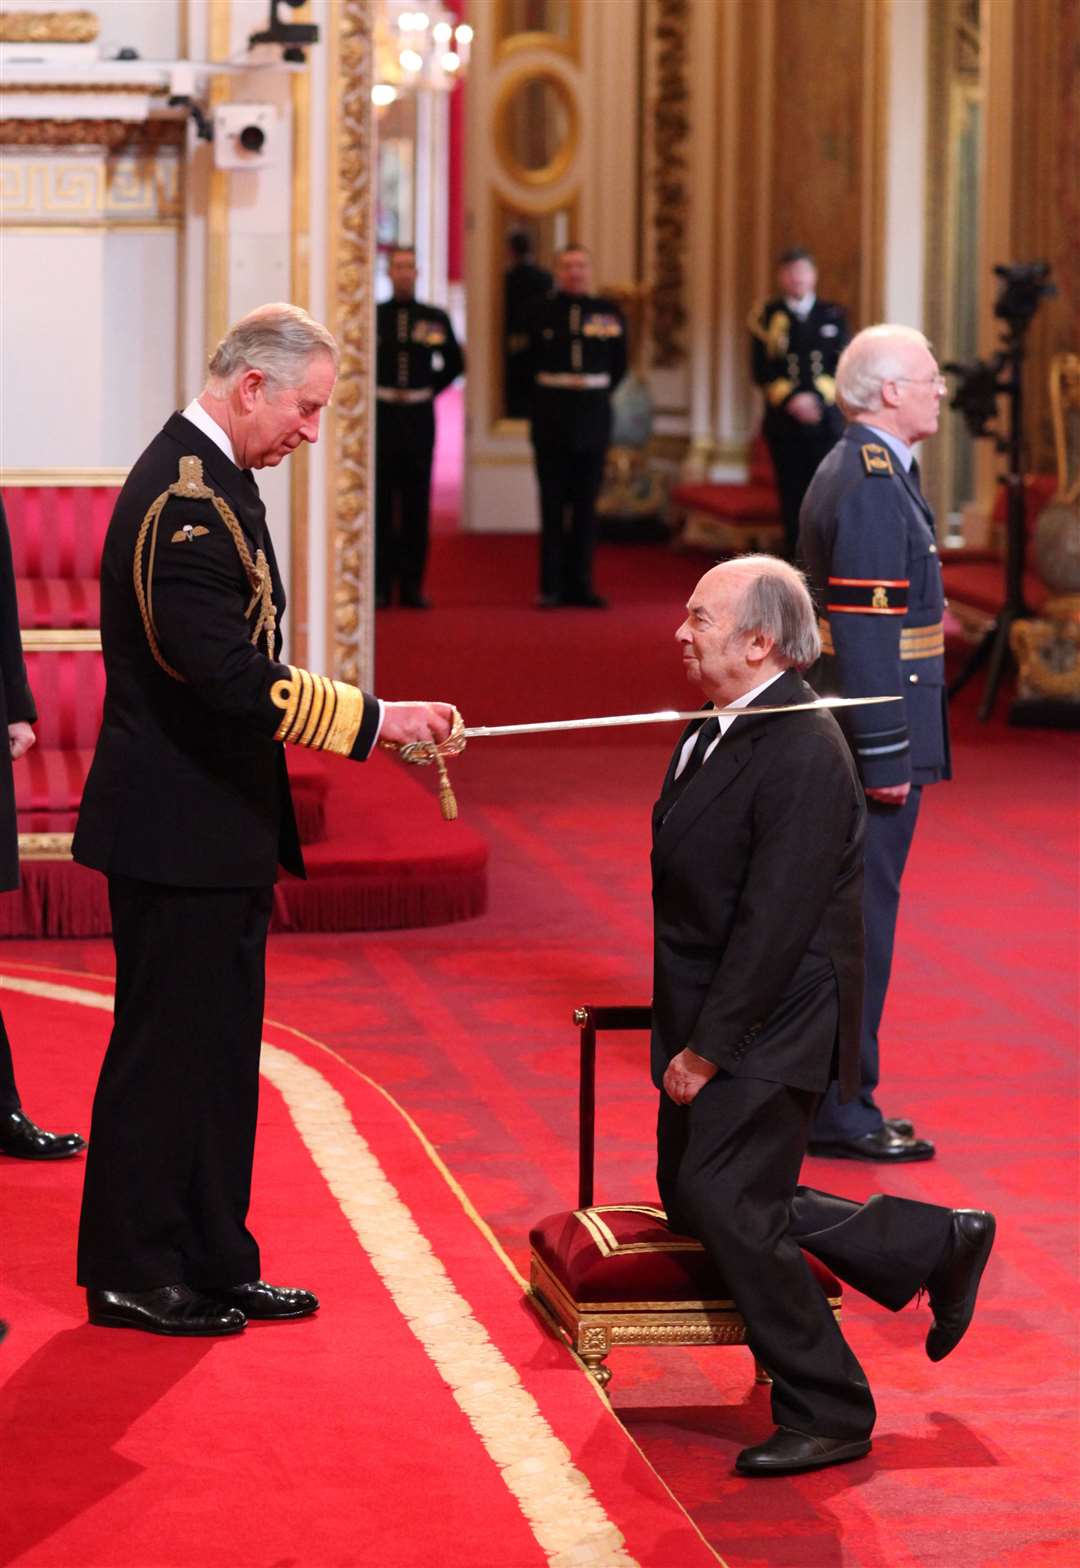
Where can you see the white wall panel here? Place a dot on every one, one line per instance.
(52, 374)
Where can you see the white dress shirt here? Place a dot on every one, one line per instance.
(724, 723)
(210, 427)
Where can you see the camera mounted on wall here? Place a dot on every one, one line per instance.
(291, 37)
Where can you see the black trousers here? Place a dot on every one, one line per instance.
(9, 1095)
(168, 1173)
(728, 1169)
(404, 453)
(796, 450)
(889, 832)
(569, 483)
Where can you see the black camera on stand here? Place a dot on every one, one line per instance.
(292, 37)
(981, 382)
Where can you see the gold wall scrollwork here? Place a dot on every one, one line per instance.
(349, 500)
(48, 27)
(671, 207)
(112, 134)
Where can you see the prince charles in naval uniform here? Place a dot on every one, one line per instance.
(187, 811)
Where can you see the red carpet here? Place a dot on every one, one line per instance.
(469, 1027)
(423, 1416)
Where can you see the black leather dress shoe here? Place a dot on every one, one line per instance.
(954, 1282)
(264, 1303)
(415, 601)
(547, 601)
(883, 1145)
(900, 1126)
(587, 601)
(788, 1452)
(171, 1309)
(24, 1139)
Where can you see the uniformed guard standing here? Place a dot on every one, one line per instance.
(867, 539)
(417, 357)
(578, 347)
(796, 341)
(187, 811)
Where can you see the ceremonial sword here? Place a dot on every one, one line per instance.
(421, 751)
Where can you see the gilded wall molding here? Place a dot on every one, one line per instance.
(300, 294)
(352, 296)
(670, 221)
(110, 134)
(48, 27)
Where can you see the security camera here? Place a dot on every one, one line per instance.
(245, 135)
(289, 36)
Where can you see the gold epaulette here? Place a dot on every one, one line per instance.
(318, 712)
(190, 486)
(753, 321)
(826, 388)
(876, 459)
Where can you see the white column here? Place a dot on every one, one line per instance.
(905, 181)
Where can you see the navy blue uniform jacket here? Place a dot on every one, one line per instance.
(866, 538)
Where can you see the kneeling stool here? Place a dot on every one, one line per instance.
(613, 1273)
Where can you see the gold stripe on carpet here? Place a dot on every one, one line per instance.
(553, 1494)
(568, 1522)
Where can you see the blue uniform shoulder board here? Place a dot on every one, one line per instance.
(876, 459)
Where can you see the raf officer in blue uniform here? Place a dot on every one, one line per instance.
(577, 345)
(867, 539)
(796, 342)
(417, 357)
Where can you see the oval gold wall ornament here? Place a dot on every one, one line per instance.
(537, 127)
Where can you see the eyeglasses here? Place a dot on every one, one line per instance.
(938, 383)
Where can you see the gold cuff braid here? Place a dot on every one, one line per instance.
(322, 714)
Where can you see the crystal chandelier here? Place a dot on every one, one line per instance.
(418, 43)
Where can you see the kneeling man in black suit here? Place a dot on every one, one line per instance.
(757, 888)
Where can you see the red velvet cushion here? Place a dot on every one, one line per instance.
(58, 530)
(734, 503)
(625, 1252)
(58, 601)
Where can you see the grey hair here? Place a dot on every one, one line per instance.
(280, 340)
(776, 601)
(873, 356)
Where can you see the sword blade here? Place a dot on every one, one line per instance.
(664, 716)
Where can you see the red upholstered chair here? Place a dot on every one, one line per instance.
(57, 533)
(728, 516)
(614, 1274)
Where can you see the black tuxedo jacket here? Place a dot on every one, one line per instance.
(757, 902)
(188, 786)
(16, 707)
